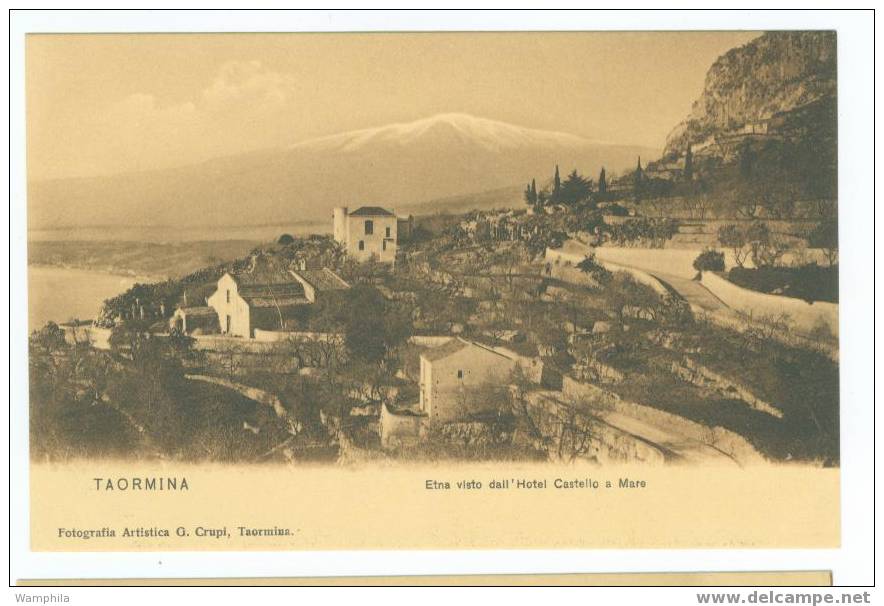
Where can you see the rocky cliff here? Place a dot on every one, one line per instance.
(776, 73)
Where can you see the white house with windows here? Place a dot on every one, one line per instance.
(370, 232)
(450, 372)
(264, 296)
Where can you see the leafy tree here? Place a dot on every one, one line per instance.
(575, 189)
(373, 326)
(709, 260)
(653, 232)
(285, 240)
(364, 328)
(49, 339)
(592, 267)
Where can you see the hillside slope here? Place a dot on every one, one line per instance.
(440, 157)
(776, 73)
(763, 130)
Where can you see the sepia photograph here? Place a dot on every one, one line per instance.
(453, 297)
(372, 249)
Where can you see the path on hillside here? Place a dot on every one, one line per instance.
(690, 290)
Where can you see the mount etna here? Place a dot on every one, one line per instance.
(420, 165)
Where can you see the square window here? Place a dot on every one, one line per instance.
(369, 228)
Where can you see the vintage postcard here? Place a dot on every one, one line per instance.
(477, 290)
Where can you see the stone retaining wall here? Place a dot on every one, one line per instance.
(724, 440)
(272, 336)
(804, 316)
(605, 443)
(696, 374)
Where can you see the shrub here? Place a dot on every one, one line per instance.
(809, 282)
(592, 267)
(617, 210)
(709, 260)
(643, 231)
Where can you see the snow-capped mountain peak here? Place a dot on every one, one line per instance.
(445, 129)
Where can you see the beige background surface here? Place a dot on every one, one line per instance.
(388, 507)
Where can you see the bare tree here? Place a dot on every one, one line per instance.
(733, 237)
(749, 207)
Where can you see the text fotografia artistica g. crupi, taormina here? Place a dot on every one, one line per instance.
(420, 288)
(106, 532)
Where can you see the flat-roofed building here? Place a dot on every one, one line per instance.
(370, 232)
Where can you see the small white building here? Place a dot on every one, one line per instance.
(195, 320)
(370, 232)
(452, 375)
(317, 282)
(265, 296)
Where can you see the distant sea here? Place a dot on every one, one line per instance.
(59, 294)
(178, 234)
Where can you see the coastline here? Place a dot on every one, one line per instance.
(139, 277)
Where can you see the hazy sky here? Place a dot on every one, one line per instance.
(101, 104)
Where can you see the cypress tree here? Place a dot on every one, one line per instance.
(557, 184)
(603, 183)
(531, 193)
(639, 176)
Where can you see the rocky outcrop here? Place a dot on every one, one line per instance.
(772, 75)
